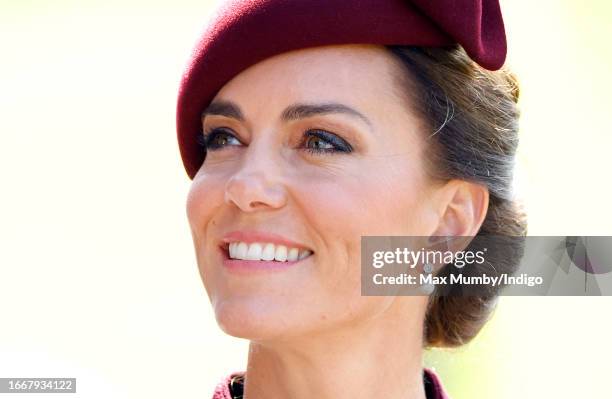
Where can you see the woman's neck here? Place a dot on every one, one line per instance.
(380, 358)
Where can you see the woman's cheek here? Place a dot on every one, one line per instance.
(205, 194)
(196, 213)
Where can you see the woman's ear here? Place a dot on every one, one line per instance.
(462, 208)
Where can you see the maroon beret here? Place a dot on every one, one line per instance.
(245, 32)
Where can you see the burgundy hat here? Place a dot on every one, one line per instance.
(246, 32)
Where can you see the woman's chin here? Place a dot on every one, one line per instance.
(253, 321)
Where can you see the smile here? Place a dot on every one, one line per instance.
(266, 252)
(252, 251)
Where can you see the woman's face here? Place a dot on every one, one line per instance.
(312, 149)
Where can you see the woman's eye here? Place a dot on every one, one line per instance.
(315, 141)
(320, 141)
(219, 138)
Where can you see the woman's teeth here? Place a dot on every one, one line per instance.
(266, 251)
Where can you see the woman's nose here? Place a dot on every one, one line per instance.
(256, 185)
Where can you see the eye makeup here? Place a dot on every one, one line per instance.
(315, 135)
(315, 141)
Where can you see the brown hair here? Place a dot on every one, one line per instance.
(473, 117)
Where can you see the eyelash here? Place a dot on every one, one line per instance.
(339, 144)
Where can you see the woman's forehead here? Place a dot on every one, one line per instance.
(357, 75)
(330, 66)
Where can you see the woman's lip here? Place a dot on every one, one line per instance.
(240, 266)
(251, 236)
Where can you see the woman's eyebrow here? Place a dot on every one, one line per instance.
(296, 111)
(224, 108)
(299, 111)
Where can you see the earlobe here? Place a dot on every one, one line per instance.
(462, 208)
